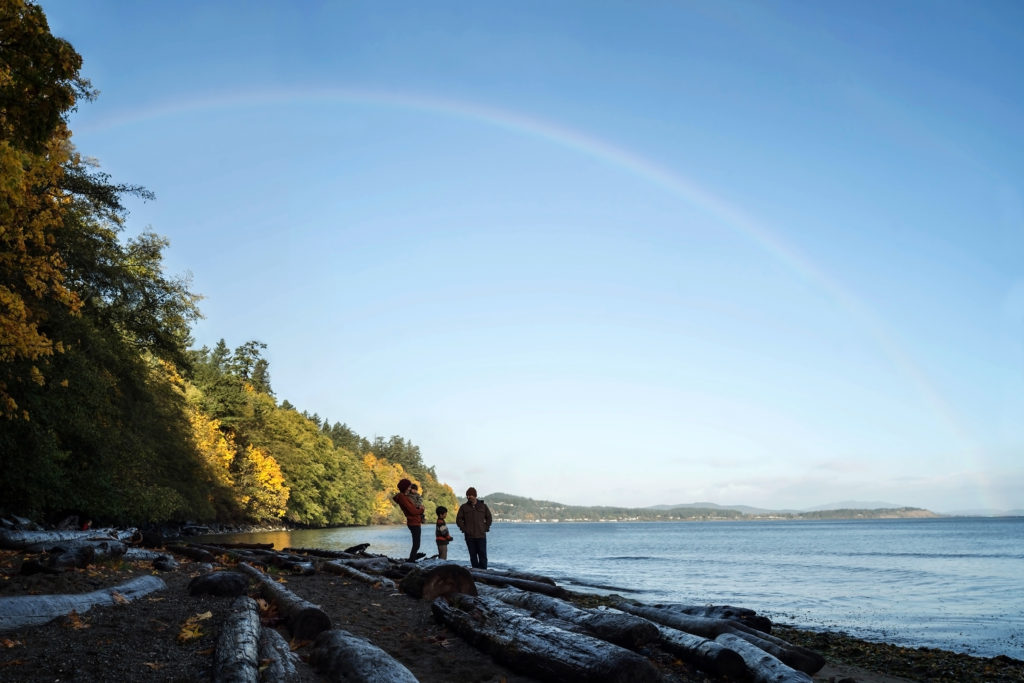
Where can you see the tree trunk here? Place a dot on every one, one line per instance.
(352, 572)
(743, 615)
(278, 658)
(15, 539)
(341, 656)
(622, 629)
(539, 649)
(706, 655)
(237, 657)
(193, 553)
(525, 584)
(763, 667)
(32, 610)
(304, 619)
(793, 655)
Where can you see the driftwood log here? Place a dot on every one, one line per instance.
(442, 578)
(277, 658)
(193, 553)
(32, 610)
(620, 628)
(304, 619)
(317, 552)
(799, 658)
(740, 614)
(344, 570)
(764, 668)
(496, 579)
(706, 655)
(539, 649)
(341, 656)
(17, 539)
(237, 656)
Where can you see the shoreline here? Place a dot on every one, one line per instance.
(147, 631)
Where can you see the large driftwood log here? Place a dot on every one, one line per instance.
(344, 570)
(304, 619)
(278, 660)
(193, 553)
(620, 628)
(740, 614)
(318, 552)
(799, 658)
(496, 579)
(706, 655)
(539, 649)
(17, 539)
(341, 656)
(236, 659)
(515, 574)
(764, 668)
(441, 578)
(32, 610)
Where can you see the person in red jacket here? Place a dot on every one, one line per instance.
(413, 517)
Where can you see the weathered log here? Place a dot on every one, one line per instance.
(277, 659)
(341, 656)
(740, 614)
(373, 564)
(764, 668)
(193, 553)
(536, 648)
(247, 546)
(267, 558)
(225, 584)
(304, 619)
(705, 655)
(82, 553)
(31, 610)
(318, 552)
(345, 570)
(516, 574)
(19, 539)
(165, 563)
(525, 584)
(236, 659)
(616, 627)
(795, 656)
(142, 555)
(440, 579)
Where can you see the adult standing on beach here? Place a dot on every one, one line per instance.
(413, 517)
(474, 520)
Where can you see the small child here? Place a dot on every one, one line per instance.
(417, 498)
(442, 536)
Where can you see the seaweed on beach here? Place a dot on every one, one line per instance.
(924, 664)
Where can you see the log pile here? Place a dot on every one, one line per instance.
(525, 621)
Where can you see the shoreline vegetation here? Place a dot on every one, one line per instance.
(180, 632)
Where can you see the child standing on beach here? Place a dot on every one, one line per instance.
(442, 535)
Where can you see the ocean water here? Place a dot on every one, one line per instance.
(950, 583)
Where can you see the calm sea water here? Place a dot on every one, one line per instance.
(954, 583)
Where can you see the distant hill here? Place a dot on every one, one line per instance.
(511, 508)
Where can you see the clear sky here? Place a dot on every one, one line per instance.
(625, 253)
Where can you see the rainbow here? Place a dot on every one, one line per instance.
(685, 189)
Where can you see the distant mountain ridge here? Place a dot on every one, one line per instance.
(508, 507)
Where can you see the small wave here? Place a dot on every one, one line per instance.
(631, 558)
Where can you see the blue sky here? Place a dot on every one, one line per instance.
(762, 253)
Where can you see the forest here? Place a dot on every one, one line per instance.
(107, 410)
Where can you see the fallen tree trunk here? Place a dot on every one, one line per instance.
(341, 656)
(304, 619)
(277, 658)
(705, 655)
(764, 668)
(743, 615)
(193, 553)
(539, 649)
(16, 539)
(336, 554)
(620, 628)
(236, 659)
(352, 572)
(515, 574)
(793, 655)
(32, 610)
(82, 553)
(524, 584)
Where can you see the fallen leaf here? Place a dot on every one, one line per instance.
(76, 622)
(7, 642)
(155, 666)
(118, 598)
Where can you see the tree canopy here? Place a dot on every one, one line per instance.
(105, 410)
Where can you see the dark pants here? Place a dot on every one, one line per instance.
(477, 552)
(415, 531)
